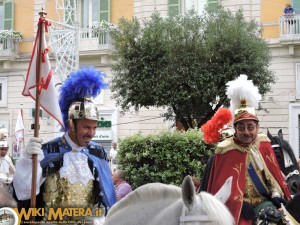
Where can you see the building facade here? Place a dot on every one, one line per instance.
(22, 16)
(283, 36)
(282, 104)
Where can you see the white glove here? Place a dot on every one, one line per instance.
(3, 178)
(34, 146)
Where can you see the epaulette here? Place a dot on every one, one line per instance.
(54, 145)
(263, 137)
(97, 150)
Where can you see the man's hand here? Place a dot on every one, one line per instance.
(248, 212)
(277, 202)
(34, 146)
(118, 197)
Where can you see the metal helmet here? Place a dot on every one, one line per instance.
(76, 94)
(84, 109)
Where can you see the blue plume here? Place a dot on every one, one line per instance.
(85, 82)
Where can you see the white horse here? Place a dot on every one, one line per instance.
(157, 204)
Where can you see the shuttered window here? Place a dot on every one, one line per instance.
(173, 7)
(212, 5)
(105, 10)
(1, 15)
(8, 14)
(3, 91)
(296, 6)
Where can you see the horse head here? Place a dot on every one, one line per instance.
(157, 203)
(205, 203)
(286, 160)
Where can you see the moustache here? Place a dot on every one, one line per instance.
(246, 136)
(87, 136)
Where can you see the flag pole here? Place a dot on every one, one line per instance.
(23, 133)
(37, 107)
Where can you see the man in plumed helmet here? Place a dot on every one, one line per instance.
(248, 157)
(73, 171)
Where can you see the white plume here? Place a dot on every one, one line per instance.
(242, 89)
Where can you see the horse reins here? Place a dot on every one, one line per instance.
(184, 218)
(295, 172)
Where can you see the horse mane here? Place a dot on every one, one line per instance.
(148, 192)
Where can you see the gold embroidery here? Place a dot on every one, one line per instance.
(238, 169)
(59, 193)
(271, 159)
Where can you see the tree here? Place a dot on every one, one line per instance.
(183, 62)
(166, 157)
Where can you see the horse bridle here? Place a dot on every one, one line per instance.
(184, 218)
(295, 172)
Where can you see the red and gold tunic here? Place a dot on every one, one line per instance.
(232, 159)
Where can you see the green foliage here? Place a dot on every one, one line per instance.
(167, 157)
(183, 63)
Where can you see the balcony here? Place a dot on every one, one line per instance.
(289, 28)
(9, 43)
(91, 40)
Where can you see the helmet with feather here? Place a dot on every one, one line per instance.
(76, 95)
(244, 98)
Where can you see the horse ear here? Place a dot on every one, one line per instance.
(269, 134)
(225, 191)
(188, 192)
(280, 134)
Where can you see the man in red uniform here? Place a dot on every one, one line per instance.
(247, 157)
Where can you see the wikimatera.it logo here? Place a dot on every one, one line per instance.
(8, 216)
(13, 216)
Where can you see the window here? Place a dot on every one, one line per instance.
(182, 6)
(298, 80)
(89, 11)
(193, 4)
(212, 4)
(1, 14)
(3, 91)
(93, 10)
(6, 14)
(174, 7)
(294, 131)
(296, 6)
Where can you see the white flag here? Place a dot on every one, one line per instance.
(46, 86)
(19, 136)
(19, 130)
